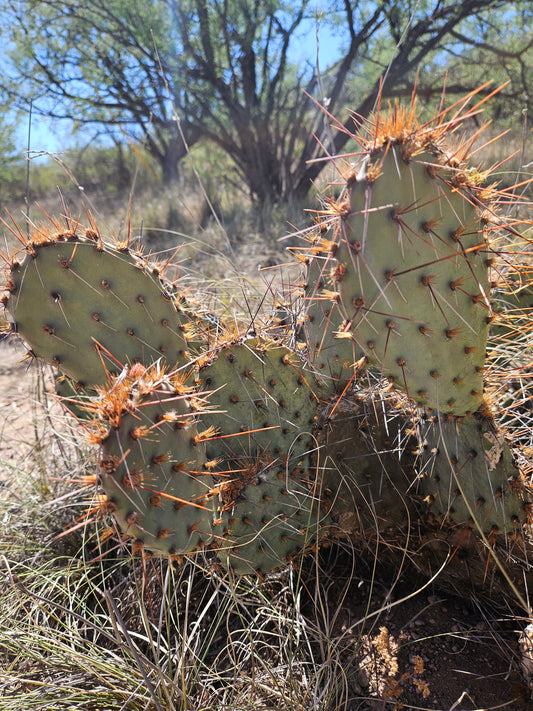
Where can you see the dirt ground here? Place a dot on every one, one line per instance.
(16, 407)
(431, 651)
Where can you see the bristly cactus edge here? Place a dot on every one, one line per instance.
(371, 410)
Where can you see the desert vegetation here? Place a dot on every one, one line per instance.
(360, 610)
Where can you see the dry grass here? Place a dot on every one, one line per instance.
(84, 626)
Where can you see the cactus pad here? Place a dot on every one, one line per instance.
(466, 475)
(267, 400)
(180, 473)
(404, 270)
(99, 308)
(152, 461)
(265, 404)
(366, 463)
(415, 280)
(331, 355)
(272, 515)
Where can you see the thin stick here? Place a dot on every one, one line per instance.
(28, 159)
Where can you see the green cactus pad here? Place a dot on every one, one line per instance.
(274, 517)
(467, 473)
(152, 465)
(86, 307)
(330, 354)
(366, 460)
(265, 403)
(266, 398)
(180, 473)
(414, 280)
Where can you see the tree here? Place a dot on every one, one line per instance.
(7, 142)
(12, 167)
(94, 63)
(496, 45)
(414, 37)
(227, 70)
(250, 96)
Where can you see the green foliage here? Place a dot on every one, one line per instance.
(496, 46)
(8, 161)
(12, 168)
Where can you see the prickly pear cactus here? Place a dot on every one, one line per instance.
(265, 404)
(258, 448)
(409, 263)
(398, 274)
(267, 399)
(466, 474)
(152, 461)
(417, 299)
(89, 308)
(190, 463)
(366, 459)
(330, 351)
(269, 515)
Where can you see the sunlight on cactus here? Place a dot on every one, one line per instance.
(372, 407)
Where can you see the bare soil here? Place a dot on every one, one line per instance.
(17, 407)
(429, 651)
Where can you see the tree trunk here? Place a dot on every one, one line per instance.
(174, 152)
(175, 148)
(260, 164)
